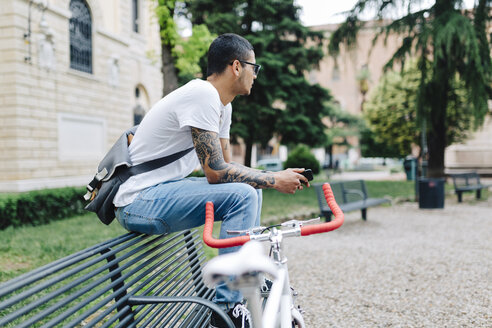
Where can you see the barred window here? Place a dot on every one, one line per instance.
(80, 36)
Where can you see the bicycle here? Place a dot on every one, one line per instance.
(248, 265)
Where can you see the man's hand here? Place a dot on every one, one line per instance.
(209, 150)
(289, 181)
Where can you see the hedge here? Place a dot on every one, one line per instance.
(40, 207)
(301, 156)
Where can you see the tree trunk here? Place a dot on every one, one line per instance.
(170, 77)
(436, 141)
(249, 151)
(437, 145)
(330, 153)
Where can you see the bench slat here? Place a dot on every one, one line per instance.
(96, 283)
(350, 196)
(467, 182)
(92, 287)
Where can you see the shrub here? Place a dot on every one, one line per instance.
(40, 207)
(301, 156)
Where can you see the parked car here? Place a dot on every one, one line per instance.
(270, 164)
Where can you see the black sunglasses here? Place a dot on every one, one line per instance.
(256, 67)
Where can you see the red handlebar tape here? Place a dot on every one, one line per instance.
(305, 231)
(218, 243)
(328, 226)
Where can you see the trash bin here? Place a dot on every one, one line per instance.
(410, 166)
(431, 192)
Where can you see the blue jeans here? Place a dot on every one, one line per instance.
(178, 205)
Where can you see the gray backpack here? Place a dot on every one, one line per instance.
(115, 168)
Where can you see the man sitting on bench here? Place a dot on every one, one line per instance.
(199, 114)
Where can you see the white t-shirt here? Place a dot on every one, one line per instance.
(166, 129)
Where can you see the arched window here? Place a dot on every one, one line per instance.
(80, 36)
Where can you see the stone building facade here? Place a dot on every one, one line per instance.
(74, 74)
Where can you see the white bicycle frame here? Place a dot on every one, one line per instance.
(280, 301)
(279, 310)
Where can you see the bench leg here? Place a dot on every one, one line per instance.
(327, 217)
(479, 193)
(364, 214)
(460, 197)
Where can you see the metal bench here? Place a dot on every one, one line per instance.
(350, 196)
(133, 280)
(467, 182)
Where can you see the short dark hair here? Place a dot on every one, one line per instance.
(224, 49)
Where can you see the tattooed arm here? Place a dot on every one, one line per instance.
(226, 149)
(210, 153)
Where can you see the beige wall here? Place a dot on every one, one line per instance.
(57, 122)
(340, 74)
(475, 154)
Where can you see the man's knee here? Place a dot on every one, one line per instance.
(247, 192)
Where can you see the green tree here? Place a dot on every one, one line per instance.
(341, 125)
(371, 147)
(282, 102)
(180, 57)
(391, 112)
(169, 36)
(450, 44)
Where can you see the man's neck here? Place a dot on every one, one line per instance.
(223, 88)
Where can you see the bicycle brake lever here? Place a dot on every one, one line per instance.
(293, 223)
(311, 221)
(249, 231)
(236, 232)
(290, 223)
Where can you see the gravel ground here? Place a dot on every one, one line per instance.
(404, 267)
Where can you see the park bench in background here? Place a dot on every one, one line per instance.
(350, 196)
(132, 280)
(467, 182)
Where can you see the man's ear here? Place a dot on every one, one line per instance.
(236, 68)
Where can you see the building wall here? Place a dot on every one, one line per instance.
(340, 76)
(474, 154)
(58, 122)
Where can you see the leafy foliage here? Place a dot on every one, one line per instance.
(370, 146)
(180, 56)
(282, 102)
(40, 207)
(168, 28)
(341, 124)
(395, 100)
(452, 49)
(188, 52)
(301, 156)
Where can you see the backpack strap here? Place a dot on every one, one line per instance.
(156, 163)
(126, 172)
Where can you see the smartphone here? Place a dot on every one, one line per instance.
(308, 173)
